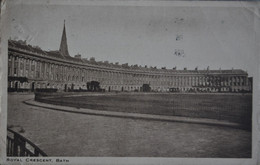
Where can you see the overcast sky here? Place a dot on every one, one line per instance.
(219, 37)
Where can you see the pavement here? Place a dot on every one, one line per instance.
(32, 102)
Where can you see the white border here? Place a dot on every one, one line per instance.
(134, 160)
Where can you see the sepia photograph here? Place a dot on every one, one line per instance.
(154, 80)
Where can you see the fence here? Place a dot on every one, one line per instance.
(18, 145)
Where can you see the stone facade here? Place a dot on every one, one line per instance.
(57, 69)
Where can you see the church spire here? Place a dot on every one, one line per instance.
(63, 44)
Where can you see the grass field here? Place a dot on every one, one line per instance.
(234, 108)
(70, 134)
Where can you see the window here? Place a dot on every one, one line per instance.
(37, 74)
(27, 66)
(9, 70)
(21, 66)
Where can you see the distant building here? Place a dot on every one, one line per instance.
(31, 67)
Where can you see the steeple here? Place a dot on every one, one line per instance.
(63, 44)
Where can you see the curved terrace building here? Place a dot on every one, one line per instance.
(31, 67)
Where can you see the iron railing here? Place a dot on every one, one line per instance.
(17, 145)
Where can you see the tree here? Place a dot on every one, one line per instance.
(93, 86)
(146, 88)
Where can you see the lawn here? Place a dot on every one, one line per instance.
(230, 107)
(70, 134)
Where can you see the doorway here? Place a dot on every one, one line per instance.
(33, 84)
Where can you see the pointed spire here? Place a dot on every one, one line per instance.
(63, 44)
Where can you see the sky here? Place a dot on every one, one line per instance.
(218, 37)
